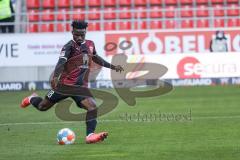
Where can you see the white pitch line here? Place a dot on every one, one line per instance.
(120, 120)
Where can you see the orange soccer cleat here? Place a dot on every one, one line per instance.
(96, 137)
(26, 101)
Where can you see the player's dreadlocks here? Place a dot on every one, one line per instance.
(79, 24)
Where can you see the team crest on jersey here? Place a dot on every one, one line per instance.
(91, 49)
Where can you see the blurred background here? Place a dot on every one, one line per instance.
(197, 40)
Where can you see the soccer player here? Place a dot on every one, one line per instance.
(73, 68)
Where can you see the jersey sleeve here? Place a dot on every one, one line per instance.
(66, 50)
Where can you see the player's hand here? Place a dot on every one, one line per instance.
(118, 68)
(54, 82)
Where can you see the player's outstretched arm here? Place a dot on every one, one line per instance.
(100, 61)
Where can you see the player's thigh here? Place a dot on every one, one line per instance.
(88, 103)
(54, 97)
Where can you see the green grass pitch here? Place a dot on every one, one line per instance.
(196, 123)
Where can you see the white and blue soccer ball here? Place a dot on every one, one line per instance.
(65, 136)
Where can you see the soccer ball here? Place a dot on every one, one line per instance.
(65, 136)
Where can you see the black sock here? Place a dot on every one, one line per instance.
(91, 121)
(35, 101)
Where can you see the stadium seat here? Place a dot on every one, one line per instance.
(78, 3)
(170, 24)
(218, 22)
(155, 24)
(94, 26)
(95, 3)
(186, 11)
(233, 22)
(202, 23)
(170, 11)
(33, 15)
(48, 3)
(171, 2)
(155, 12)
(232, 1)
(61, 27)
(202, 11)
(125, 25)
(186, 23)
(33, 4)
(202, 1)
(47, 15)
(140, 25)
(109, 13)
(68, 27)
(63, 15)
(109, 26)
(140, 12)
(47, 27)
(125, 2)
(233, 10)
(140, 2)
(125, 13)
(63, 3)
(217, 1)
(33, 28)
(109, 3)
(94, 14)
(156, 2)
(78, 14)
(186, 1)
(218, 10)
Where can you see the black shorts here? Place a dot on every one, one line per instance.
(55, 97)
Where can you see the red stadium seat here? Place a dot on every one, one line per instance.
(202, 23)
(140, 12)
(68, 27)
(232, 1)
(233, 22)
(217, 1)
(63, 3)
(233, 10)
(125, 25)
(170, 24)
(218, 10)
(156, 12)
(155, 24)
(109, 13)
(187, 23)
(78, 14)
(125, 2)
(61, 27)
(109, 2)
(186, 1)
(156, 2)
(47, 15)
(63, 15)
(202, 11)
(33, 15)
(48, 27)
(170, 11)
(186, 11)
(140, 2)
(125, 13)
(202, 1)
(96, 3)
(48, 3)
(78, 3)
(171, 2)
(33, 4)
(94, 14)
(109, 26)
(94, 26)
(33, 28)
(218, 22)
(140, 25)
